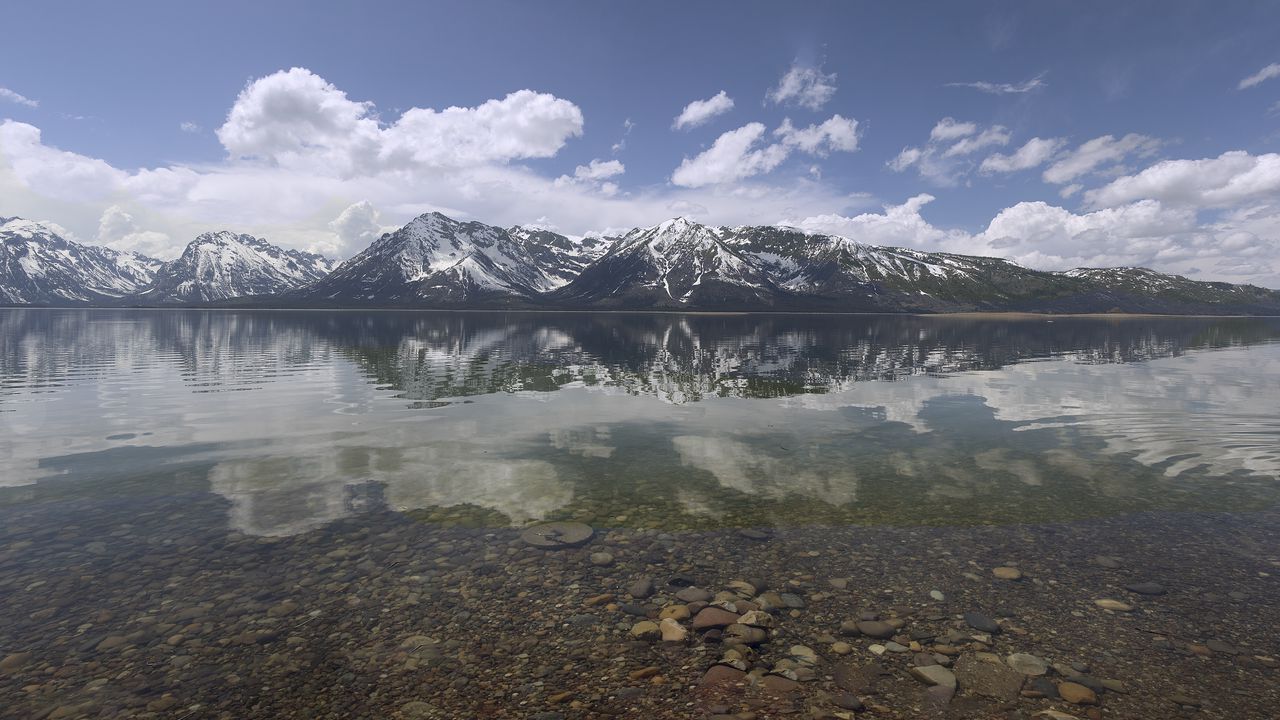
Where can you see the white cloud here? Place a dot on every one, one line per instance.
(117, 229)
(621, 145)
(994, 88)
(1033, 153)
(837, 133)
(805, 86)
(995, 135)
(11, 96)
(1230, 179)
(942, 160)
(1266, 73)
(355, 227)
(733, 156)
(740, 153)
(1070, 190)
(599, 170)
(700, 112)
(296, 119)
(1097, 153)
(190, 127)
(594, 175)
(948, 128)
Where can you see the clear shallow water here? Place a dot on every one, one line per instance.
(673, 422)
(317, 515)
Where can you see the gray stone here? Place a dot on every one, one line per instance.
(1027, 664)
(934, 675)
(989, 678)
(557, 535)
(978, 621)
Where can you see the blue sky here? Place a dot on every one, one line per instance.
(1131, 108)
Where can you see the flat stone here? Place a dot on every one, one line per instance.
(937, 595)
(602, 559)
(13, 661)
(1108, 561)
(557, 535)
(779, 684)
(876, 629)
(416, 710)
(1055, 715)
(694, 594)
(755, 534)
(1114, 605)
(1146, 588)
(112, 642)
(847, 701)
(978, 621)
(939, 696)
(1007, 573)
(757, 618)
(934, 675)
(745, 634)
(1077, 694)
(1027, 664)
(989, 678)
(713, 617)
(723, 674)
(1184, 701)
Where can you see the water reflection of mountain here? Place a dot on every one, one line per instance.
(680, 358)
(342, 404)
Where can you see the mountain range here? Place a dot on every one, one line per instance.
(437, 262)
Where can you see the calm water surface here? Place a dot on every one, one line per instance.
(666, 421)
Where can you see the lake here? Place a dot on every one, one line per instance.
(244, 513)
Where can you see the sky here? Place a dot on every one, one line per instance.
(1054, 134)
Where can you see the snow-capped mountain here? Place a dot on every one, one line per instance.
(223, 265)
(40, 267)
(677, 262)
(436, 259)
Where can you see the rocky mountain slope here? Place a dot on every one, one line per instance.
(40, 267)
(224, 265)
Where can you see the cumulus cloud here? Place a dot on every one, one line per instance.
(296, 119)
(1230, 179)
(700, 112)
(941, 160)
(1033, 153)
(190, 127)
(1005, 88)
(805, 86)
(11, 96)
(355, 227)
(1266, 73)
(594, 174)
(119, 230)
(742, 153)
(1097, 153)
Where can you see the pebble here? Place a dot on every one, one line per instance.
(713, 617)
(937, 595)
(646, 630)
(14, 661)
(876, 629)
(1027, 664)
(1108, 561)
(978, 621)
(841, 648)
(694, 594)
(1077, 694)
(557, 535)
(1146, 588)
(672, 631)
(601, 559)
(674, 612)
(1184, 701)
(1007, 573)
(1115, 605)
(641, 589)
(935, 675)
